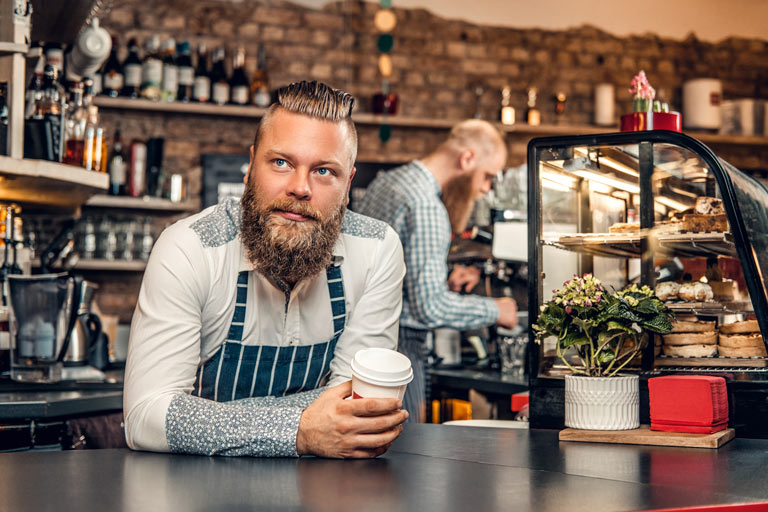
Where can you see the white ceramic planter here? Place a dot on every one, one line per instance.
(602, 403)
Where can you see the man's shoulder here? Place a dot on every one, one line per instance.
(362, 226)
(217, 225)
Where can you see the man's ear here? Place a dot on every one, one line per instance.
(349, 183)
(467, 159)
(252, 153)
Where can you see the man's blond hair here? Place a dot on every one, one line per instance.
(317, 100)
(476, 134)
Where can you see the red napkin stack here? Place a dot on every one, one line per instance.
(688, 403)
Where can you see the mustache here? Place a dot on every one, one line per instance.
(289, 205)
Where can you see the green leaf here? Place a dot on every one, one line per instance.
(647, 307)
(659, 324)
(572, 339)
(605, 356)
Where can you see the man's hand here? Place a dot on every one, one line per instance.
(465, 278)
(362, 428)
(507, 312)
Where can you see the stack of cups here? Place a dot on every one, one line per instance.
(380, 373)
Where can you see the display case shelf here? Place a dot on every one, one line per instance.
(140, 203)
(711, 308)
(628, 245)
(704, 364)
(43, 183)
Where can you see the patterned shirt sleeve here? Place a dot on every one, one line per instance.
(260, 427)
(430, 301)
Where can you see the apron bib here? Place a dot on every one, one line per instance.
(239, 371)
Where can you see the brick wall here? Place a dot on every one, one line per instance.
(437, 64)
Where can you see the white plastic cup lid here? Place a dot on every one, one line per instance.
(382, 367)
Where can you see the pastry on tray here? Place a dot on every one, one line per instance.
(705, 223)
(695, 292)
(667, 290)
(624, 227)
(690, 338)
(747, 326)
(690, 350)
(680, 325)
(708, 206)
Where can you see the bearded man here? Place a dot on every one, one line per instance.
(250, 312)
(424, 201)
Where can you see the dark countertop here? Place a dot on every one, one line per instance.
(34, 401)
(430, 467)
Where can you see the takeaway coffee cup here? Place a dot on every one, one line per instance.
(380, 373)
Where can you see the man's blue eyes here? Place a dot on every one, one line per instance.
(321, 171)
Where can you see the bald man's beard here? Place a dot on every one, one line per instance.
(459, 199)
(284, 249)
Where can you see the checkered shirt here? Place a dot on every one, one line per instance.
(408, 199)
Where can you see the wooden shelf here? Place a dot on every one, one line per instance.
(39, 182)
(112, 265)
(140, 203)
(178, 107)
(11, 48)
(366, 118)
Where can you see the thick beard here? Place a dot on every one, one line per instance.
(458, 198)
(285, 250)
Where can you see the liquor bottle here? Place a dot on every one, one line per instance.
(54, 56)
(117, 167)
(112, 74)
(239, 86)
(532, 115)
(260, 84)
(186, 72)
(201, 91)
(137, 172)
(34, 90)
(151, 70)
(74, 128)
(219, 82)
(132, 71)
(95, 155)
(170, 71)
(50, 101)
(88, 93)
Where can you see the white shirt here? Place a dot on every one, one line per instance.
(187, 301)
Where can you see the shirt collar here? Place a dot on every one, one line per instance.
(426, 175)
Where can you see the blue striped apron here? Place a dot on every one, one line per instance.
(238, 370)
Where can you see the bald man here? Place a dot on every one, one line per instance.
(424, 201)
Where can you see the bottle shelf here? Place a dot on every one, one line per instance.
(140, 203)
(366, 118)
(112, 265)
(11, 48)
(44, 183)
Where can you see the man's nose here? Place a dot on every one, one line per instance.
(298, 185)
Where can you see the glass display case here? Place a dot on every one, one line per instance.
(656, 208)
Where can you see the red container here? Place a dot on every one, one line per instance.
(641, 121)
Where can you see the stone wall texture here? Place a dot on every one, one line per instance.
(439, 64)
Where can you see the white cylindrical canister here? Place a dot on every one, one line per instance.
(604, 105)
(701, 103)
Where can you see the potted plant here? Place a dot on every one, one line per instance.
(606, 331)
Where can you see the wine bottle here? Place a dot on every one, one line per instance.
(112, 74)
(186, 73)
(170, 82)
(219, 82)
(132, 71)
(239, 86)
(201, 91)
(152, 70)
(260, 84)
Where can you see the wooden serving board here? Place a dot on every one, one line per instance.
(644, 435)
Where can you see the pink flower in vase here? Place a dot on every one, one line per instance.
(643, 93)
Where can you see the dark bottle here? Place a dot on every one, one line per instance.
(116, 167)
(132, 71)
(202, 89)
(170, 82)
(219, 82)
(112, 74)
(186, 72)
(239, 85)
